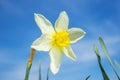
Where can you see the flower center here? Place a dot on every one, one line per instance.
(61, 39)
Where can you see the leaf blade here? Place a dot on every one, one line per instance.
(87, 77)
(48, 73)
(117, 64)
(40, 71)
(100, 65)
(105, 50)
(107, 55)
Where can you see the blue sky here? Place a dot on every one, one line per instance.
(18, 30)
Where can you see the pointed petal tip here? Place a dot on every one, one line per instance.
(35, 14)
(63, 12)
(84, 32)
(74, 59)
(54, 71)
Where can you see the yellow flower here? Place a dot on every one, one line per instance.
(56, 39)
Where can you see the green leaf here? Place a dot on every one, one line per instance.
(48, 73)
(40, 71)
(96, 50)
(107, 55)
(27, 71)
(105, 50)
(87, 77)
(100, 65)
(117, 64)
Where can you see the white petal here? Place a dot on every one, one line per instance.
(62, 22)
(55, 56)
(75, 34)
(69, 52)
(44, 24)
(43, 43)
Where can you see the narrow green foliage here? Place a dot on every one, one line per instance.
(40, 71)
(100, 65)
(87, 77)
(27, 71)
(117, 64)
(116, 74)
(105, 50)
(48, 73)
(96, 50)
(107, 55)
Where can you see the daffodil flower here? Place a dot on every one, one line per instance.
(56, 39)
